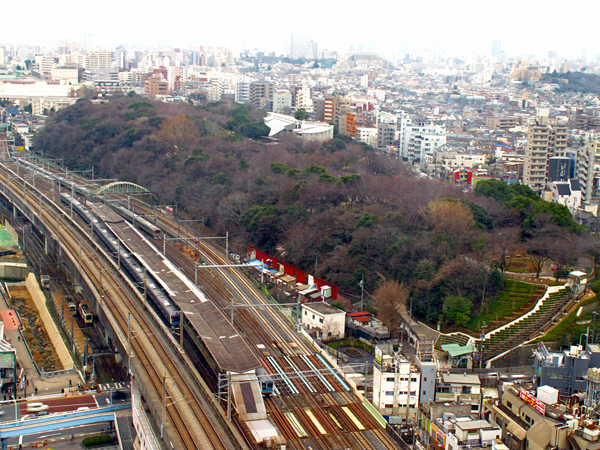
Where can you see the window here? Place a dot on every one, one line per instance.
(425, 379)
(389, 380)
(389, 393)
(509, 405)
(424, 392)
(320, 320)
(313, 317)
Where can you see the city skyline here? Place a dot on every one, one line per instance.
(458, 29)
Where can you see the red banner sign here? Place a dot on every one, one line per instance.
(532, 401)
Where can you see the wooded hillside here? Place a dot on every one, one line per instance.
(340, 206)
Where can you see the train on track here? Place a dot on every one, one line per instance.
(51, 176)
(156, 294)
(265, 380)
(85, 313)
(142, 223)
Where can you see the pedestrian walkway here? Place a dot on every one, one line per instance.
(115, 386)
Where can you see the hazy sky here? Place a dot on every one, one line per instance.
(462, 27)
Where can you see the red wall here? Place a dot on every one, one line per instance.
(288, 269)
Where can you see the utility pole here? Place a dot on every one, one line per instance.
(483, 327)
(362, 291)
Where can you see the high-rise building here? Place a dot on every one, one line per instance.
(544, 140)
(261, 95)
(99, 59)
(242, 90)
(302, 47)
(587, 169)
(496, 46)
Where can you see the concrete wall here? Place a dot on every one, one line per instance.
(40, 302)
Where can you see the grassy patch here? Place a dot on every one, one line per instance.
(567, 326)
(513, 297)
(350, 343)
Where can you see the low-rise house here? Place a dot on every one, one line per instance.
(323, 320)
(364, 325)
(459, 387)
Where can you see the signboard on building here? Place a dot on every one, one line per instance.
(378, 356)
(532, 401)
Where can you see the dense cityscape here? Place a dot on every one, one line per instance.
(211, 248)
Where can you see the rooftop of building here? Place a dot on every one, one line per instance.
(457, 378)
(323, 308)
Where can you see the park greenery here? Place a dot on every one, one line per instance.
(359, 213)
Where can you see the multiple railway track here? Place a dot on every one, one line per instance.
(156, 362)
(315, 408)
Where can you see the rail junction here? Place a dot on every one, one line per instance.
(199, 379)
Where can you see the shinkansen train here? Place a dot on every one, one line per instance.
(156, 294)
(51, 176)
(142, 223)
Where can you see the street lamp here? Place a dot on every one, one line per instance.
(15, 399)
(362, 291)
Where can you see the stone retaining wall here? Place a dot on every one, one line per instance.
(40, 302)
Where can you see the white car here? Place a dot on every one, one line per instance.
(36, 407)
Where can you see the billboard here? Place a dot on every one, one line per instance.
(378, 356)
(532, 401)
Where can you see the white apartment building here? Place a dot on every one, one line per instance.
(567, 193)
(364, 81)
(65, 74)
(99, 59)
(176, 74)
(44, 64)
(419, 139)
(587, 169)
(242, 89)
(304, 99)
(327, 322)
(379, 94)
(396, 385)
(367, 135)
(282, 101)
(128, 78)
(454, 160)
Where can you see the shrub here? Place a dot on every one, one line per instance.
(96, 441)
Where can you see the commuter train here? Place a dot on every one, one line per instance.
(156, 294)
(142, 223)
(85, 313)
(265, 380)
(51, 176)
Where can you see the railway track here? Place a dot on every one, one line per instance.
(323, 413)
(160, 366)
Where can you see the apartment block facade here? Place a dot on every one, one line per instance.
(544, 140)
